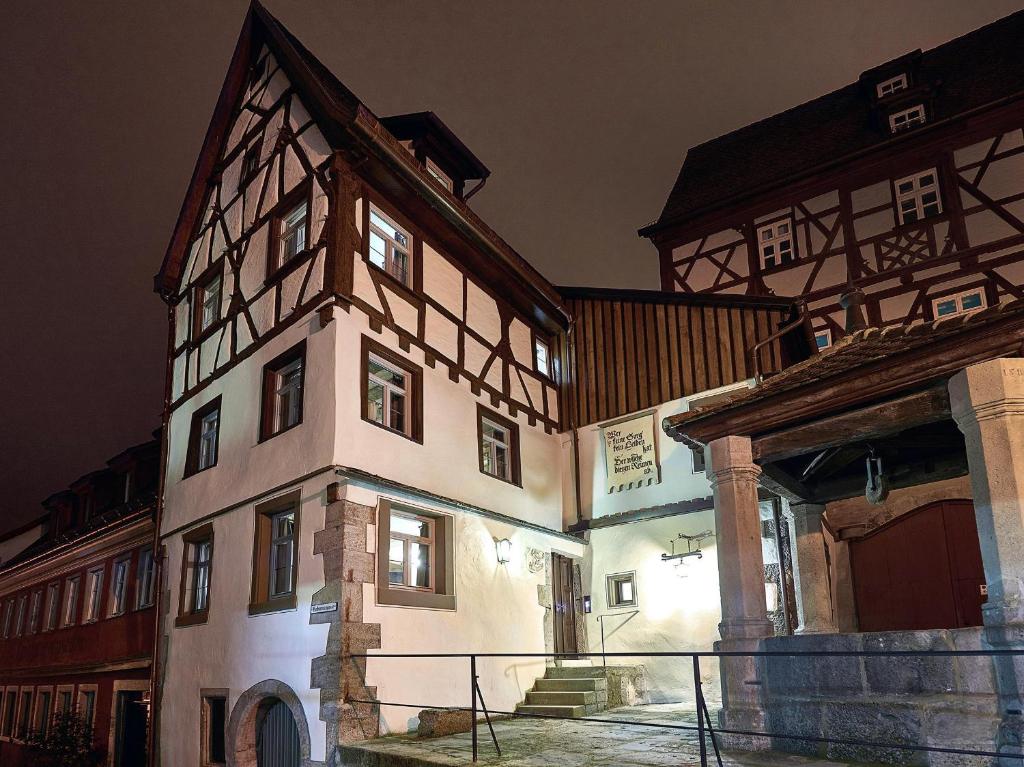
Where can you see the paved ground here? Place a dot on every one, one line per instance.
(564, 743)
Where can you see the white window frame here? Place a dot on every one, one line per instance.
(119, 575)
(407, 541)
(542, 362)
(288, 382)
(276, 541)
(907, 118)
(912, 196)
(439, 175)
(892, 85)
(391, 390)
(51, 613)
(209, 429)
(69, 603)
(93, 595)
(769, 236)
(210, 298)
(392, 245)
(199, 575)
(958, 298)
(293, 230)
(41, 718)
(612, 584)
(19, 615)
(8, 618)
(825, 333)
(34, 612)
(490, 445)
(145, 580)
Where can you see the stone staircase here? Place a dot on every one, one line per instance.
(569, 692)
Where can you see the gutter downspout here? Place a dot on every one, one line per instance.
(475, 189)
(570, 355)
(155, 686)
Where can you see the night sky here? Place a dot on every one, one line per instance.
(582, 110)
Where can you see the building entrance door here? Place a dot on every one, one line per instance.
(277, 738)
(922, 570)
(130, 748)
(564, 604)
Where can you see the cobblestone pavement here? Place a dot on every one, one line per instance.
(565, 743)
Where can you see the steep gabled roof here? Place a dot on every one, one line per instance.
(971, 72)
(347, 124)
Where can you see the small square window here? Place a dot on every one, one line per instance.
(542, 357)
(891, 86)
(392, 391)
(775, 243)
(621, 590)
(966, 302)
(823, 339)
(203, 438)
(917, 197)
(907, 118)
(283, 390)
(390, 247)
(499, 446)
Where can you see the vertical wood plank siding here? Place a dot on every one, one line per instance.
(628, 355)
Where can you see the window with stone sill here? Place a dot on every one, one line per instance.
(415, 561)
(621, 590)
(203, 438)
(275, 555)
(196, 576)
(283, 392)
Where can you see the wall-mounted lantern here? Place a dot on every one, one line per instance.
(504, 550)
(692, 547)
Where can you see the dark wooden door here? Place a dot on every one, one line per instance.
(564, 604)
(923, 570)
(277, 742)
(131, 730)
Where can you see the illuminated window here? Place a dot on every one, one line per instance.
(390, 247)
(541, 357)
(411, 551)
(283, 380)
(499, 446)
(419, 569)
(621, 590)
(917, 197)
(275, 555)
(891, 86)
(967, 302)
(907, 118)
(775, 243)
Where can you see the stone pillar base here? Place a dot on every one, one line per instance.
(750, 719)
(1010, 739)
(742, 704)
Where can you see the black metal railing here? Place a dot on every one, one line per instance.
(704, 728)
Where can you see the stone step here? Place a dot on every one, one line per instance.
(561, 698)
(574, 672)
(570, 685)
(562, 711)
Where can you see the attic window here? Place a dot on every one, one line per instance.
(917, 197)
(823, 338)
(959, 303)
(439, 175)
(775, 243)
(892, 85)
(907, 118)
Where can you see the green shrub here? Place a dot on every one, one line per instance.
(67, 743)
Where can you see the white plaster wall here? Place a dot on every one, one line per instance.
(678, 606)
(500, 608)
(236, 650)
(447, 463)
(245, 466)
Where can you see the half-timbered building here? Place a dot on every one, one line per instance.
(383, 422)
(906, 184)
(77, 617)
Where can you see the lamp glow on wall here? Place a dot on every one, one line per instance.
(503, 548)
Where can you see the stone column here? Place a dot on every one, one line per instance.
(987, 402)
(733, 476)
(810, 570)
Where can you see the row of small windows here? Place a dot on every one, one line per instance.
(392, 391)
(47, 610)
(31, 710)
(917, 197)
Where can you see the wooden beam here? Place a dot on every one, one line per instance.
(883, 419)
(781, 483)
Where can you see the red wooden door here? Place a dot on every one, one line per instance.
(923, 570)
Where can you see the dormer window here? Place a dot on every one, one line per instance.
(390, 246)
(907, 118)
(917, 197)
(892, 85)
(775, 243)
(439, 175)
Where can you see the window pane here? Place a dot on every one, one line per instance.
(421, 565)
(281, 578)
(396, 561)
(625, 591)
(377, 250)
(404, 525)
(942, 308)
(375, 401)
(397, 412)
(971, 301)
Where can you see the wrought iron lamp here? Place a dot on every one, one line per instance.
(504, 550)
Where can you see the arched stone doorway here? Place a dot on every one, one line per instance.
(268, 728)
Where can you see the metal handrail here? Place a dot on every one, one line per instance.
(704, 728)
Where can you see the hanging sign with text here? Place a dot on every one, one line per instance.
(631, 454)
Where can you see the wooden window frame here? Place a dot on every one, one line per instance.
(42, 719)
(8, 713)
(611, 587)
(139, 591)
(516, 477)
(439, 175)
(84, 690)
(198, 297)
(442, 594)
(549, 371)
(913, 116)
(195, 434)
(112, 611)
(774, 241)
(26, 709)
(827, 333)
(268, 398)
(8, 618)
(413, 389)
(430, 541)
(275, 268)
(205, 725)
(260, 601)
(917, 194)
(20, 614)
(52, 607)
(373, 206)
(70, 605)
(186, 615)
(92, 611)
(958, 295)
(245, 173)
(898, 84)
(35, 611)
